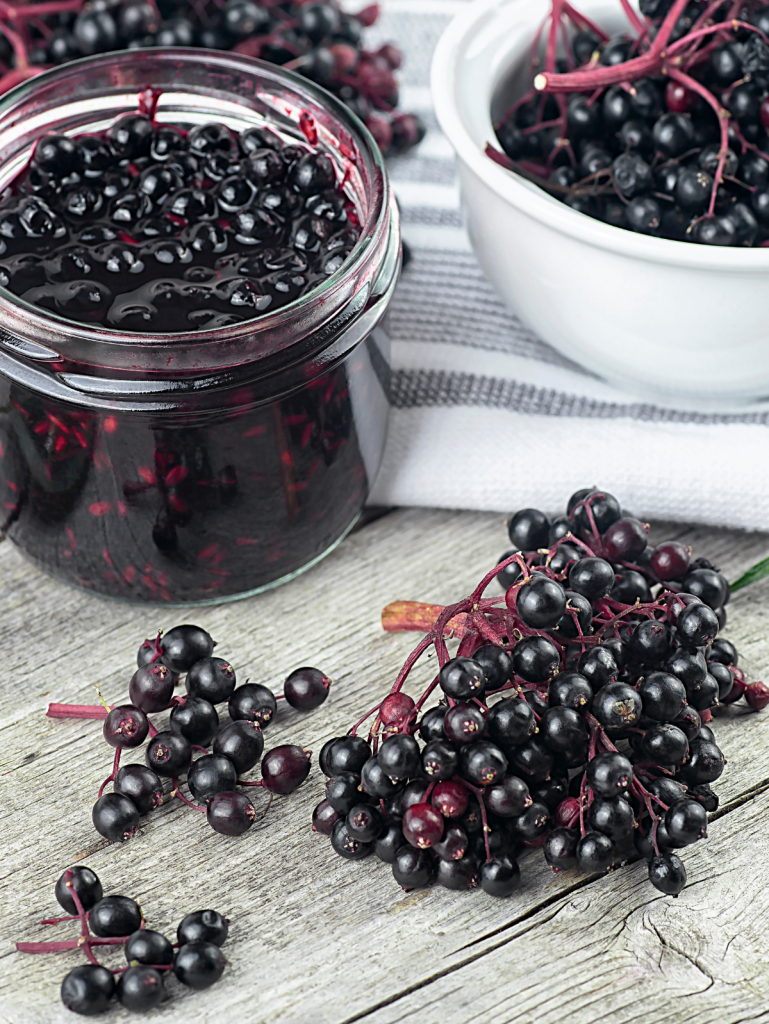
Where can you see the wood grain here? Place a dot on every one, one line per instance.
(318, 939)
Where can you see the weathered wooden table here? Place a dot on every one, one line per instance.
(318, 939)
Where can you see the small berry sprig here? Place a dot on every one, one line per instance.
(606, 656)
(193, 726)
(108, 921)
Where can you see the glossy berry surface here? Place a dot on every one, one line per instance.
(231, 813)
(347, 845)
(115, 916)
(241, 742)
(306, 688)
(141, 786)
(462, 679)
(168, 754)
(183, 248)
(151, 687)
(422, 826)
(183, 645)
(125, 727)
(324, 817)
(88, 989)
(398, 756)
(253, 702)
(115, 817)
(364, 822)
(85, 883)
(199, 965)
(285, 768)
(412, 868)
(149, 947)
(203, 926)
(195, 719)
(212, 679)
(209, 775)
(140, 989)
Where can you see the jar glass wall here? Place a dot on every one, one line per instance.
(203, 465)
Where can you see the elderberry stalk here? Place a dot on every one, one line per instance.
(572, 714)
(660, 130)
(196, 958)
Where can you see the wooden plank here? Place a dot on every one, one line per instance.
(314, 937)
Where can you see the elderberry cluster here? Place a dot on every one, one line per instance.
(317, 39)
(193, 727)
(195, 958)
(149, 227)
(606, 656)
(647, 152)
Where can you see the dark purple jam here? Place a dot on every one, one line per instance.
(197, 504)
(157, 229)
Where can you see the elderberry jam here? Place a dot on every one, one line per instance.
(158, 440)
(148, 227)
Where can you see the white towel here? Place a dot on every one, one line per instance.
(486, 415)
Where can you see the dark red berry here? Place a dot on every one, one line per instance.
(126, 727)
(670, 561)
(451, 799)
(306, 688)
(151, 687)
(324, 817)
(232, 813)
(422, 826)
(285, 768)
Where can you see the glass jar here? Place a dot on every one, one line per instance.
(206, 465)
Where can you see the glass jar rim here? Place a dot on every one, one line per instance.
(188, 352)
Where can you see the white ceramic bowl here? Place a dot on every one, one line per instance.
(679, 323)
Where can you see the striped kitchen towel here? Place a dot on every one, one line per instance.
(485, 414)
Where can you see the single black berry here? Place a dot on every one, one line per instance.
(88, 989)
(141, 786)
(85, 883)
(115, 817)
(212, 679)
(242, 742)
(114, 916)
(140, 989)
(195, 719)
(253, 702)
(199, 964)
(203, 926)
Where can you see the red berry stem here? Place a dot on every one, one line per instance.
(64, 944)
(112, 774)
(177, 792)
(76, 711)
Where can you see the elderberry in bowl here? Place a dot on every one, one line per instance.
(196, 253)
(673, 321)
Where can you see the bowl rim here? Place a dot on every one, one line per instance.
(458, 37)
